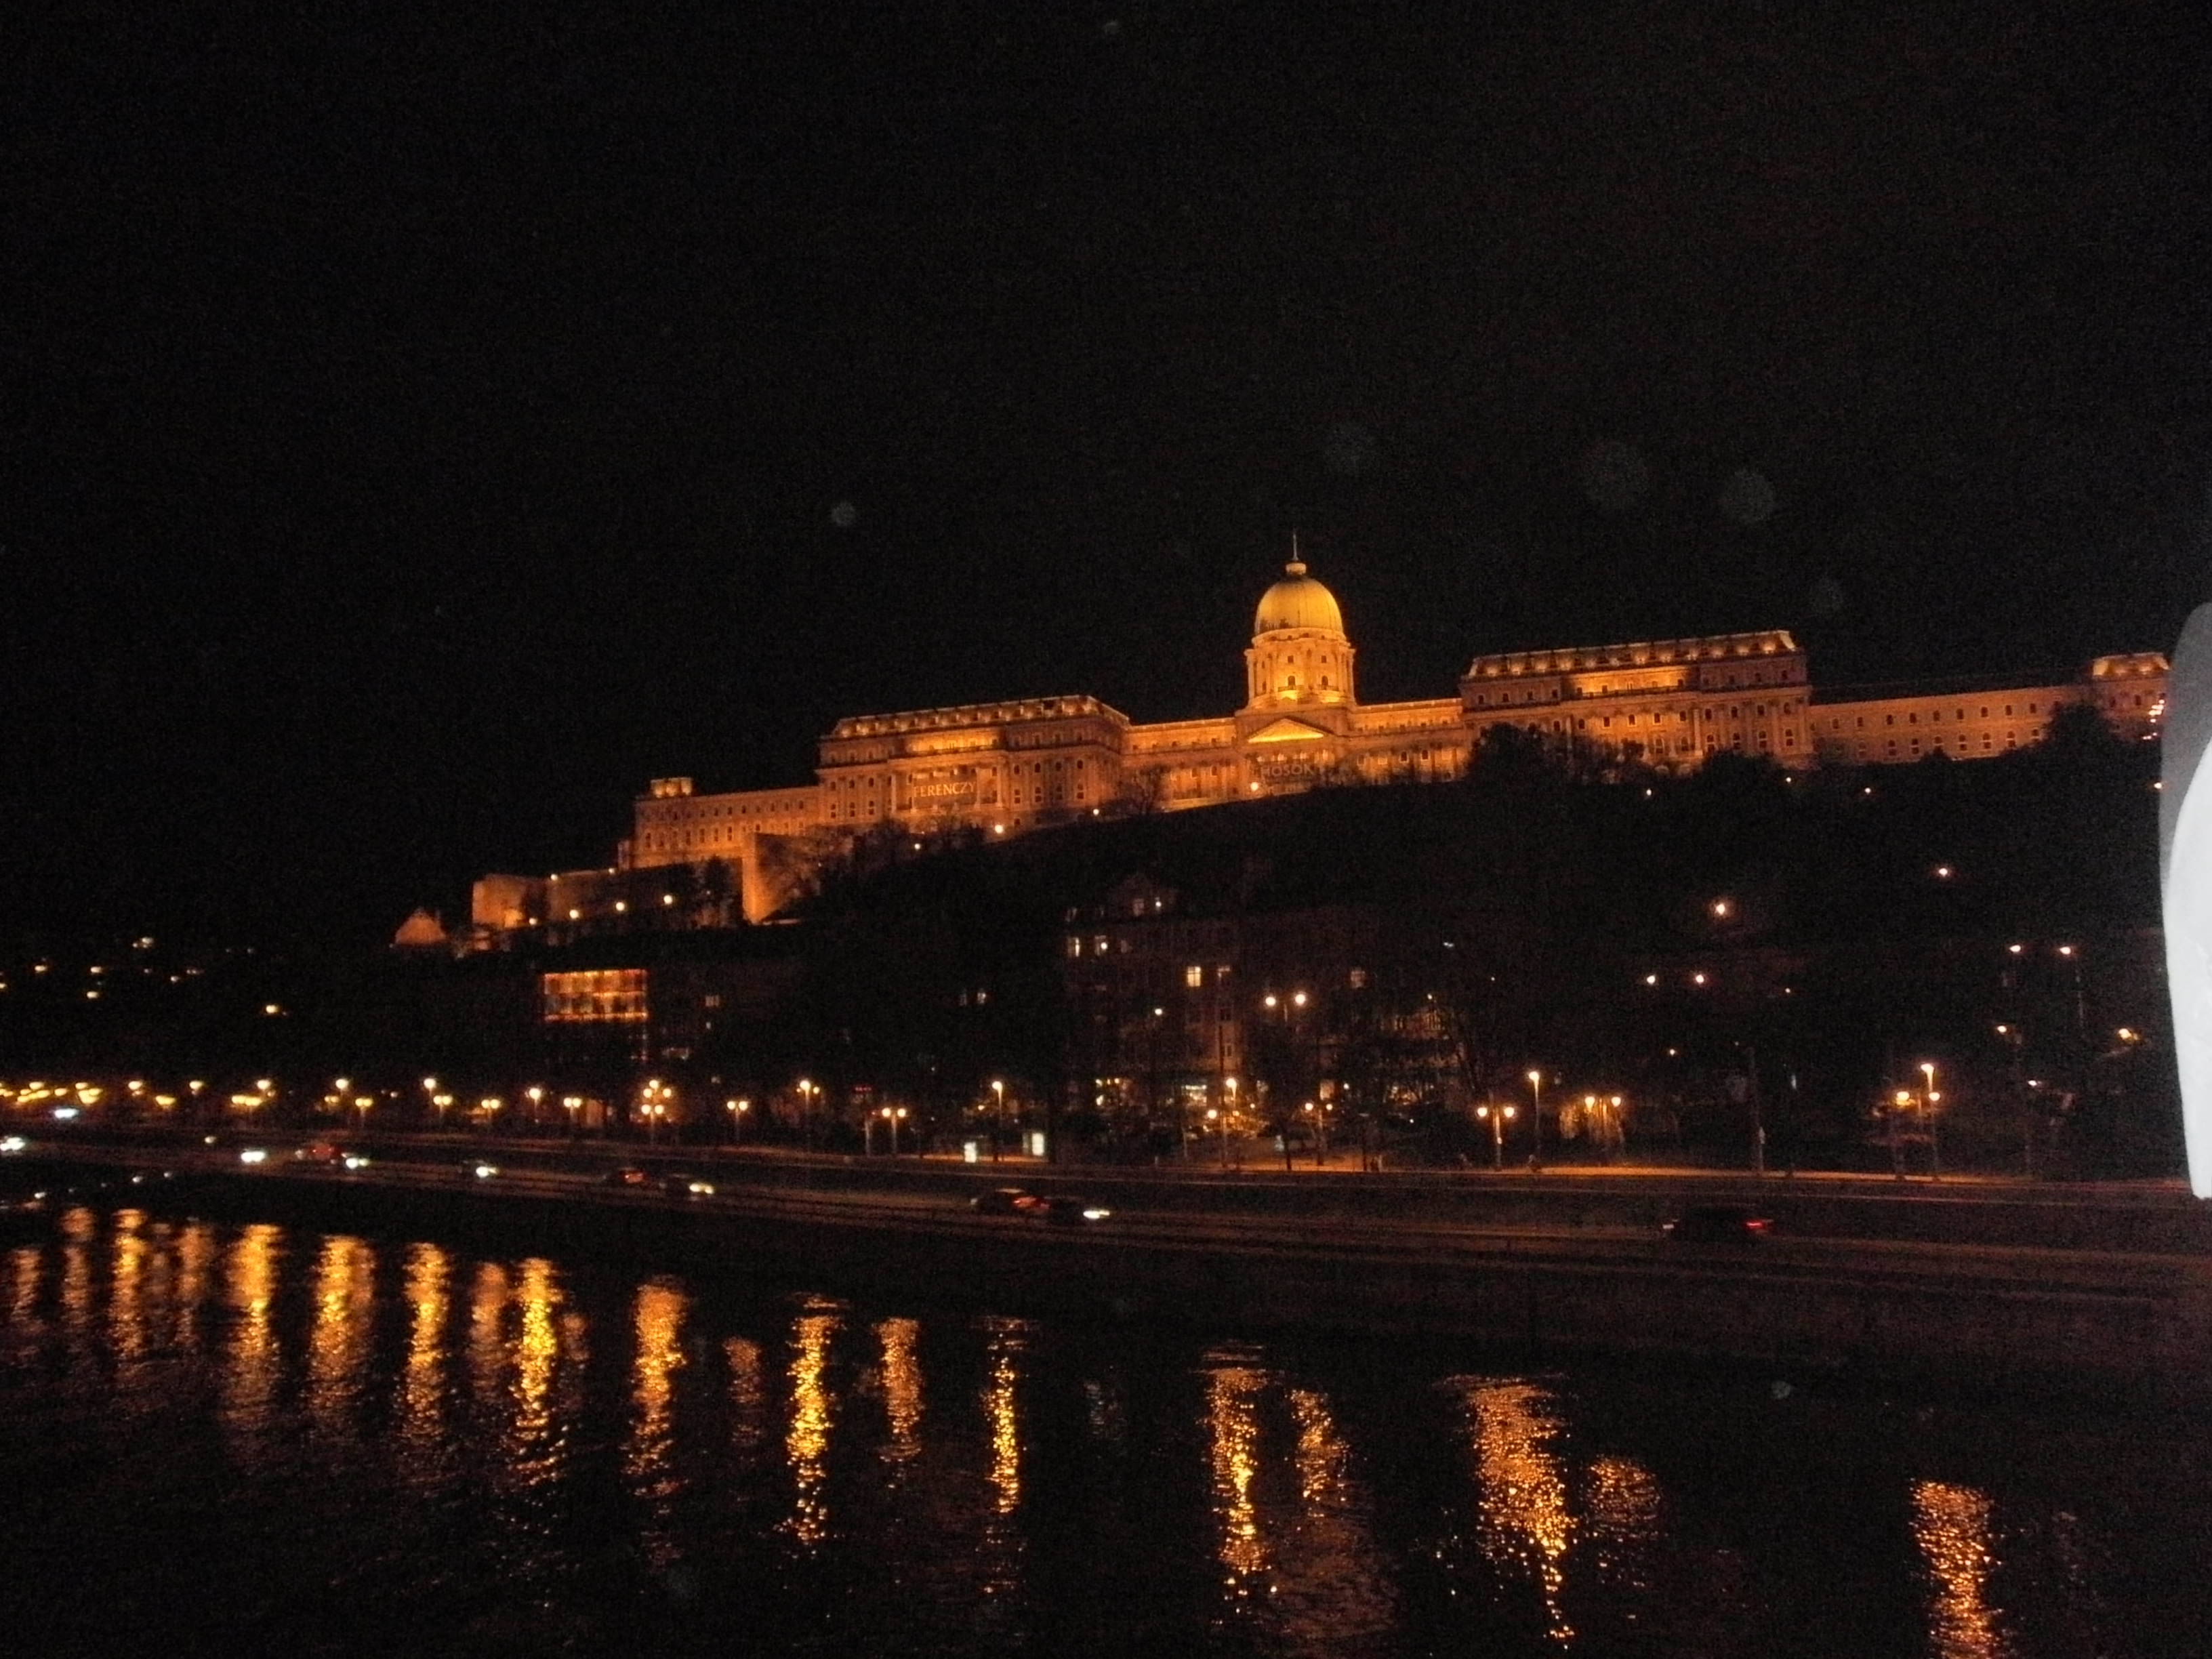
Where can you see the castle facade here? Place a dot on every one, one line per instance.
(1001, 769)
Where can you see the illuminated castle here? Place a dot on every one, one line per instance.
(1000, 768)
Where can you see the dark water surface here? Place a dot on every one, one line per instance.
(258, 1439)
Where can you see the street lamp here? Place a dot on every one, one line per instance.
(1497, 1117)
(653, 1106)
(1927, 1099)
(738, 1111)
(891, 1114)
(1535, 1117)
(2016, 1040)
(998, 1115)
(572, 1104)
(807, 1090)
(535, 1096)
(1213, 1115)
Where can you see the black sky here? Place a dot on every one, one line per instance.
(424, 424)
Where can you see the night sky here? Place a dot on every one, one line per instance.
(424, 424)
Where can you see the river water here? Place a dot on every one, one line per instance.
(261, 1439)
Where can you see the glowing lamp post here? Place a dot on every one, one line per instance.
(737, 1110)
(998, 1115)
(1928, 1098)
(1497, 1117)
(653, 1106)
(1535, 1117)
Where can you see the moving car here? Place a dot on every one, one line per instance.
(478, 1170)
(628, 1176)
(1067, 1211)
(1717, 1223)
(687, 1186)
(317, 1151)
(1053, 1212)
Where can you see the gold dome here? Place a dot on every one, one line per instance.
(1297, 601)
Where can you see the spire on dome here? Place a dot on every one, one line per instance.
(1297, 567)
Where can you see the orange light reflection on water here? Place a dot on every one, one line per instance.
(423, 1383)
(806, 1437)
(128, 1251)
(902, 1387)
(338, 1341)
(1233, 1440)
(648, 1459)
(1525, 1525)
(251, 1359)
(1001, 1412)
(532, 1448)
(1951, 1525)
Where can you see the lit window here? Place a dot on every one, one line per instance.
(1194, 975)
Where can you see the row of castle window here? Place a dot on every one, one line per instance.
(1864, 749)
(1934, 716)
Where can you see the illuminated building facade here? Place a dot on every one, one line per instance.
(1001, 769)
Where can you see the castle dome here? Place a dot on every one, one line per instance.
(1297, 601)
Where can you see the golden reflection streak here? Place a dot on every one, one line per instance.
(748, 1392)
(806, 1439)
(76, 1271)
(345, 1271)
(902, 1387)
(1951, 1524)
(128, 1250)
(1524, 1520)
(23, 1295)
(999, 1410)
(1624, 1515)
(421, 1385)
(1321, 1452)
(1233, 1426)
(488, 1334)
(195, 1251)
(657, 1316)
(1340, 1588)
(536, 1355)
(251, 1363)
